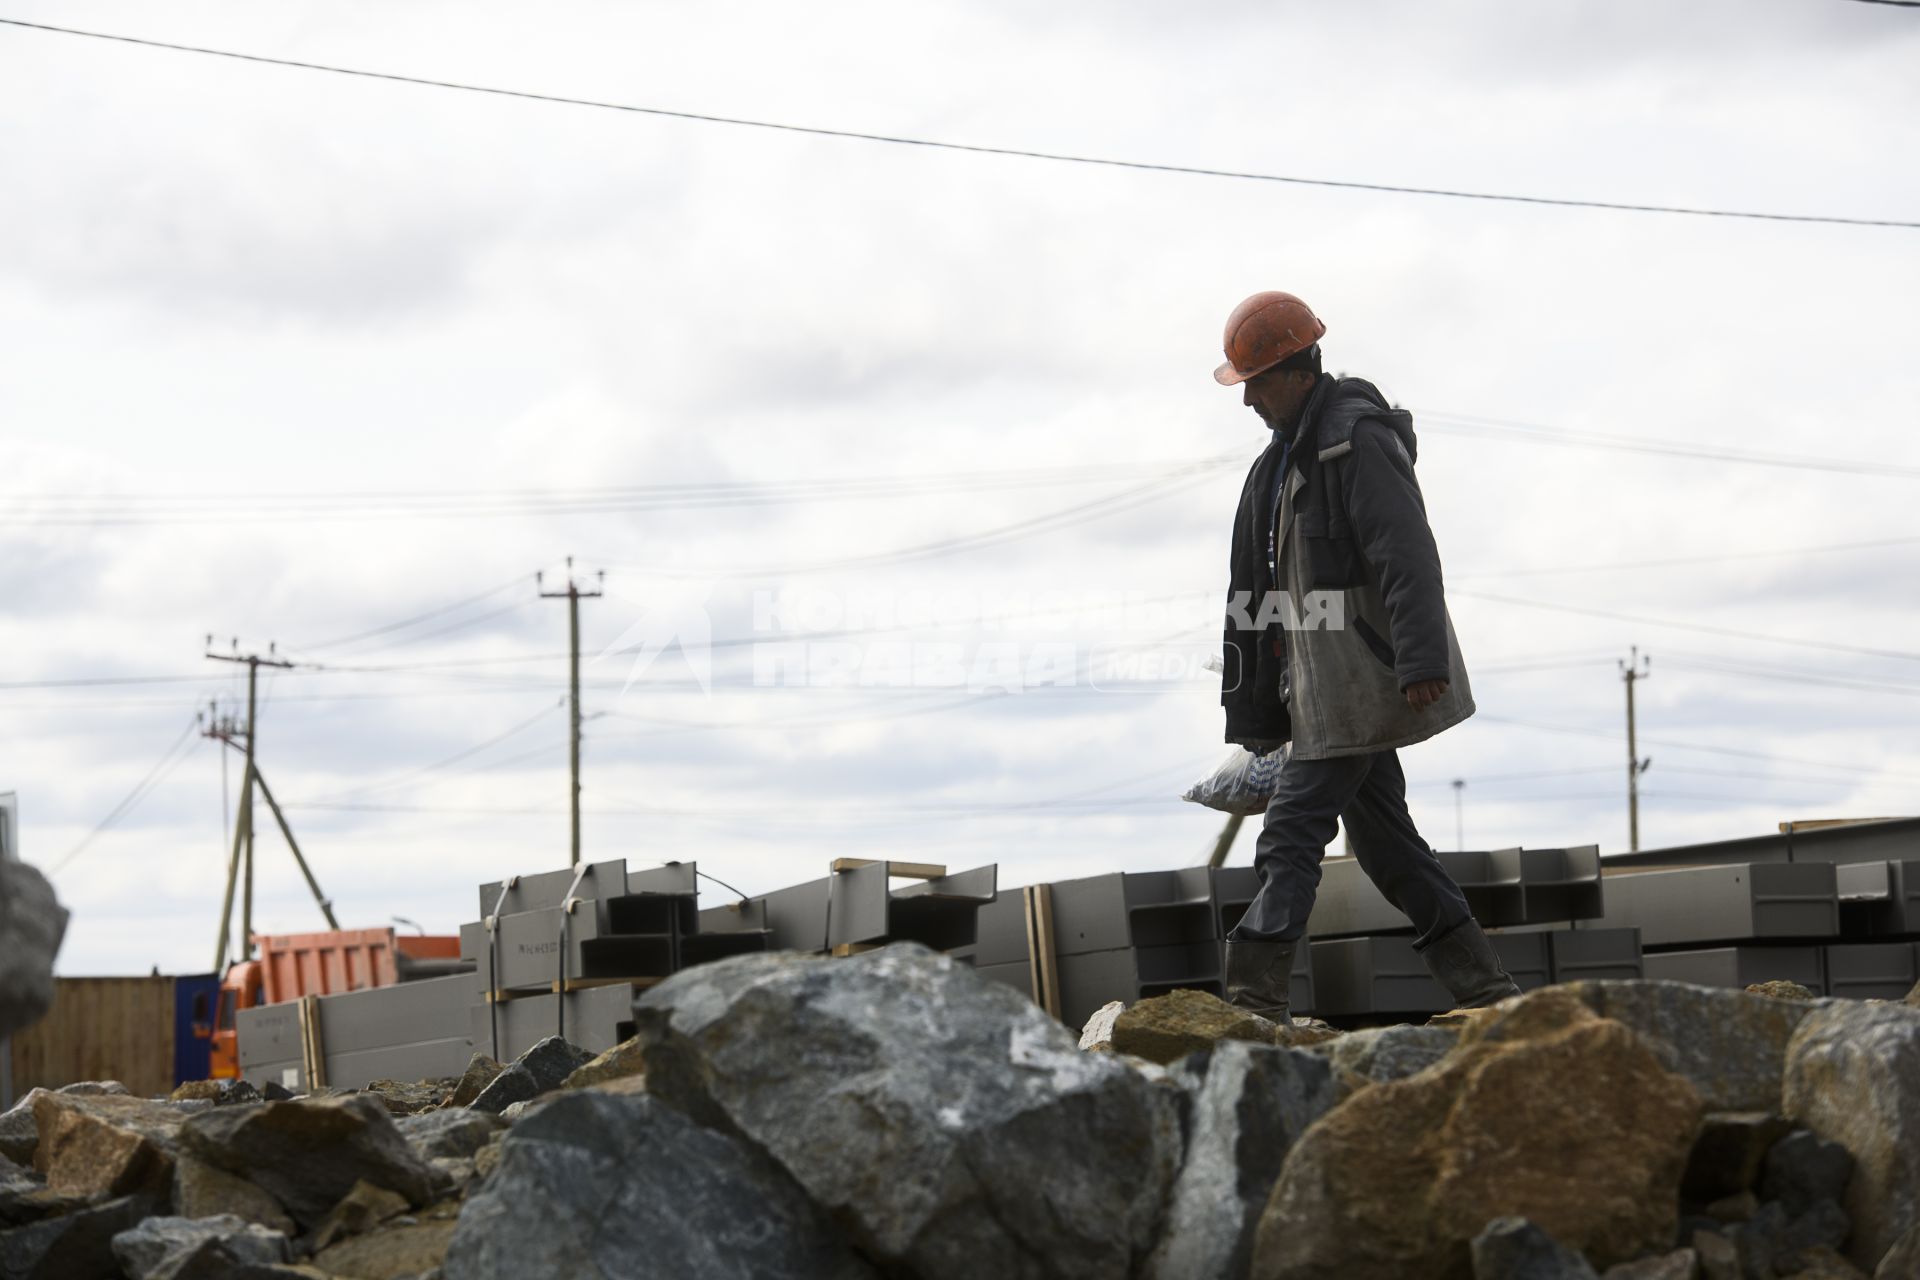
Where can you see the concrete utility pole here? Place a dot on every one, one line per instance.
(244, 735)
(1634, 669)
(573, 595)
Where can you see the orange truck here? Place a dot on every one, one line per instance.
(291, 965)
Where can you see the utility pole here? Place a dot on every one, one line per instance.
(1634, 669)
(244, 735)
(1459, 816)
(573, 595)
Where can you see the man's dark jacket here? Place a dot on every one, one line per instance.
(1353, 536)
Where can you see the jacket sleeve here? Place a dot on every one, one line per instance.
(1390, 526)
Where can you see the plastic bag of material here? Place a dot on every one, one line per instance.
(1243, 783)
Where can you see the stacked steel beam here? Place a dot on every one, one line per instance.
(563, 952)
(1126, 936)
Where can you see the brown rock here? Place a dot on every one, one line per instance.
(1913, 996)
(403, 1098)
(400, 1250)
(196, 1091)
(359, 1211)
(617, 1063)
(1303, 1032)
(479, 1074)
(1577, 1128)
(1853, 1077)
(1779, 989)
(1719, 1256)
(104, 1144)
(202, 1191)
(1821, 1263)
(1681, 1264)
(308, 1153)
(1167, 1028)
(1730, 1046)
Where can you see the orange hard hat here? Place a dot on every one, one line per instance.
(1263, 331)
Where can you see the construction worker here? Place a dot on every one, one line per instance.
(1338, 651)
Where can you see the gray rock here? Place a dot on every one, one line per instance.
(1730, 1152)
(1249, 1103)
(551, 1061)
(19, 1135)
(309, 1153)
(1769, 1242)
(202, 1191)
(105, 1144)
(1379, 1054)
(622, 1186)
(72, 1246)
(1719, 1260)
(1730, 1046)
(514, 1084)
(450, 1134)
(32, 924)
(1903, 1260)
(1681, 1264)
(96, 1089)
(1515, 1249)
(479, 1074)
(1802, 1169)
(948, 1122)
(196, 1248)
(1853, 1077)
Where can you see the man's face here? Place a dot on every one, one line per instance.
(1278, 396)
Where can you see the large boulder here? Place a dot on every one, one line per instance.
(450, 1134)
(947, 1122)
(1249, 1104)
(607, 1186)
(202, 1191)
(1574, 1124)
(1375, 1055)
(1853, 1077)
(1730, 1046)
(19, 1135)
(308, 1153)
(196, 1248)
(104, 1144)
(32, 924)
(1166, 1028)
(72, 1246)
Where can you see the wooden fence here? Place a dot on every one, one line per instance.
(101, 1029)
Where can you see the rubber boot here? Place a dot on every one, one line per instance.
(1258, 977)
(1463, 961)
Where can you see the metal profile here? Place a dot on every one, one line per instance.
(1740, 966)
(1591, 955)
(1725, 904)
(1372, 976)
(550, 888)
(1872, 970)
(1525, 957)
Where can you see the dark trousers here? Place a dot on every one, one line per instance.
(1370, 793)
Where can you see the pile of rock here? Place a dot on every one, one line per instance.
(894, 1115)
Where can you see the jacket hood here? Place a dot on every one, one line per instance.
(1350, 401)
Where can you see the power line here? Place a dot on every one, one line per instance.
(935, 144)
(417, 618)
(1537, 433)
(1802, 761)
(1705, 628)
(169, 760)
(1671, 561)
(411, 775)
(155, 509)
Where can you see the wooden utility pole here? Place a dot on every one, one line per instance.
(240, 863)
(573, 595)
(1634, 669)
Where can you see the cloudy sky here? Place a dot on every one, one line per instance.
(338, 365)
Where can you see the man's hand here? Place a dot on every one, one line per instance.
(1425, 693)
